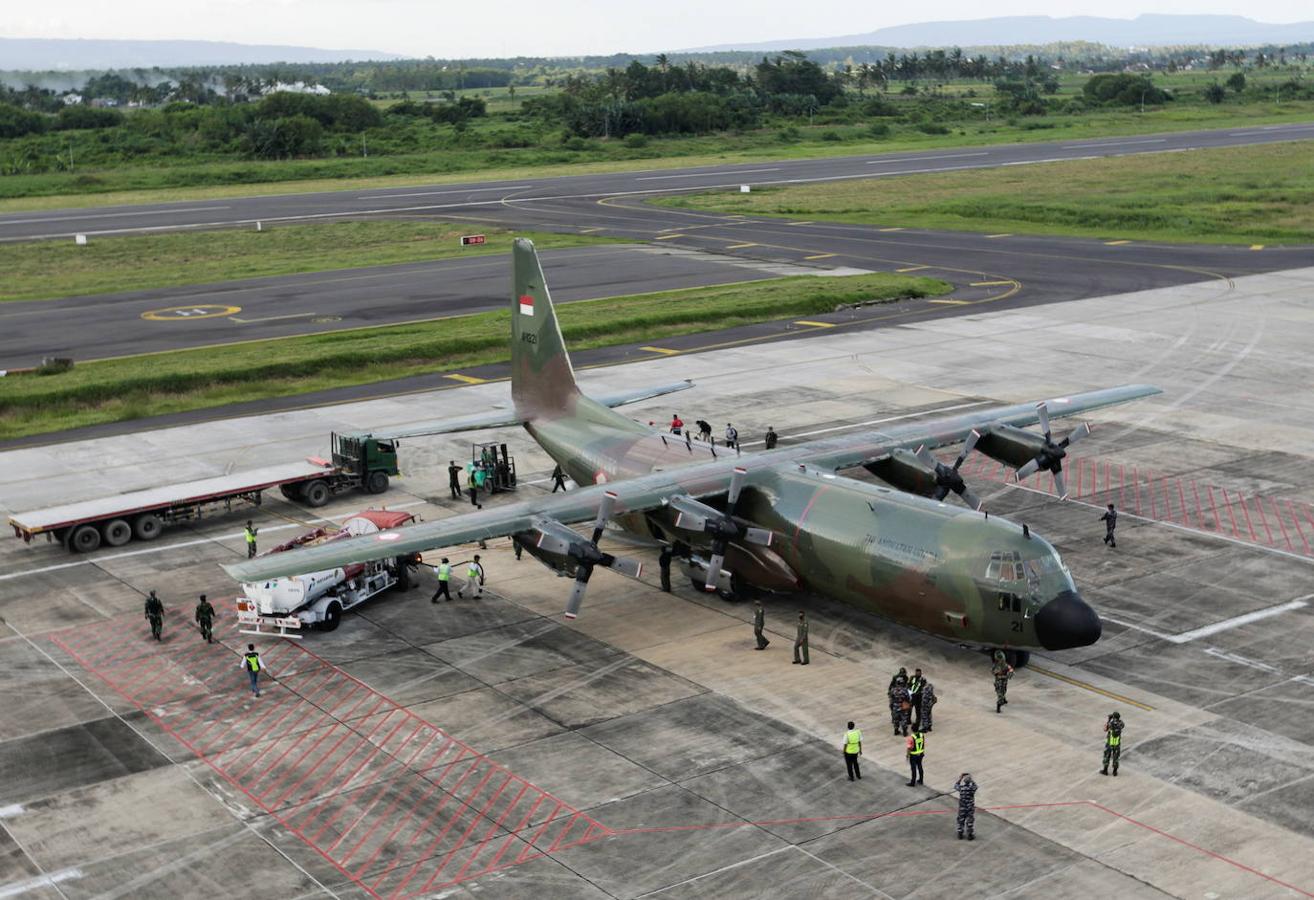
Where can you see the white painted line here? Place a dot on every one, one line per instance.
(17, 888)
(500, 187)
(167, 547)
(708, 174)
(1238, 621)
(891, 162)
(1242, 660)
(117, 215)
(13, 809)
(1113, 144)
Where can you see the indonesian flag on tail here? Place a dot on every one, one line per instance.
(526, 305)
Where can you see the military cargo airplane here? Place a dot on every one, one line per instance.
(780, 520)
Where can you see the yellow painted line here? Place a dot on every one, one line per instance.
(1256, 246)
(820, 256)
(951, 302)
(740, 246)
(1003, 234)
(1090, 687)
(190, 313)
(660, 350)
(889, 229)
(588, 230)
(667, 237)
(814, 324)
(465, 379)
(1115, 243)
(989, 283)
(912, 269)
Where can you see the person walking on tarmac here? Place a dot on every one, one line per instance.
(771, 438)
(915, 685)
(155, 615)
(250, 533)
(1110, 520)
(731, 436)
(474, 574)
(558, 479)
(205, 619)
(966, 789)
(664, 567)
(454, 479)
(473, 484)
(1002, 672)
(444, 572)
(801, 640)
(1112, 743)
(852, 750)
(759, 623)
(916, 754)
(253, 665)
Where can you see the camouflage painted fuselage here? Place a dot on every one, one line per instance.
(931, 565)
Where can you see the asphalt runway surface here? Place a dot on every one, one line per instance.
(463, 199)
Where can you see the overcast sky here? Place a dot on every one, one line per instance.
(464, 28)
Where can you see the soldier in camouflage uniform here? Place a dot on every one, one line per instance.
(1112, 743)
(900, 678)
(966, 789)
(900, 709)
(924, 711)
(1002, 672)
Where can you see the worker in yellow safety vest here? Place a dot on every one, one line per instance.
(444, 572)
(253, 665)
(474, 574)
(852, 750)
(250, 533)
(916, 752)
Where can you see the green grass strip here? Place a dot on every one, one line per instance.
(134, 387)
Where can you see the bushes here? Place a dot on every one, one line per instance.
(283, 138)
(71, 117)
(335, 112)
(1122, 89)
(16, 122)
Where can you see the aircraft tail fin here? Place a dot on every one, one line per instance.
(542, 378)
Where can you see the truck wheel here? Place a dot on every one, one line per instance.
(116, 533)
(290, 491)
(147, 527)
(403, 574)
(84, 539)
(332, 616)
(315, 494)
(377, 483)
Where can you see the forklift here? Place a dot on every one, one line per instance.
(497, 465)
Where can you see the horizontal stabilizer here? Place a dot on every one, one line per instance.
(505, 416)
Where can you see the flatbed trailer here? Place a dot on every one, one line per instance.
(358, 463)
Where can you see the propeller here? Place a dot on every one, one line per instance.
(948, 478)
(1050, 458)
(587, 555)
(720, 526)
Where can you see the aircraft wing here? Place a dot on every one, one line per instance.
(504, 416)
(852, 450)
(632, 495)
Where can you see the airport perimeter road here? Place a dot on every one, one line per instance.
(464, 199)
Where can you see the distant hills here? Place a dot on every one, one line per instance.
(42, 54)
(1143, 31)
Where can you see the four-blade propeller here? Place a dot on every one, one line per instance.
(948, 478)
(586, 554)
(1050, 457)
(722, 527)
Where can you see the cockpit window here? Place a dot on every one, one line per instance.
(1004, 565)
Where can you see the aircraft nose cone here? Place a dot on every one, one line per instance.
(1067, 621)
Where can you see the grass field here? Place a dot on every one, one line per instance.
(134, 387)
(183, 179)
(1236, 195)
(46, 269)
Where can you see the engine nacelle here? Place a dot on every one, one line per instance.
(903, 470)
(1010, 445)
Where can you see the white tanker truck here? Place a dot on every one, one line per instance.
(284, 606)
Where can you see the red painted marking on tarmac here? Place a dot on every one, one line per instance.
(1076, 491)
(1254, 537)
(465, 836)
(1181, 498)
(1295, 519)
(1136, 483)
(1149, 489)
(1263, 519)
(1199, 508)
(1231, 513)
(1122, 484)
(1277, 514)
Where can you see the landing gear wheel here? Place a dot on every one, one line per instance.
(116, 533)
(84, 539)
(332, 617)
(147, 527)
(316, 494)
(1017, 658)
(377, 483)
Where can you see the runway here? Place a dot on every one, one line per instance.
(465, 199)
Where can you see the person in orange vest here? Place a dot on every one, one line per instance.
(677, 426)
